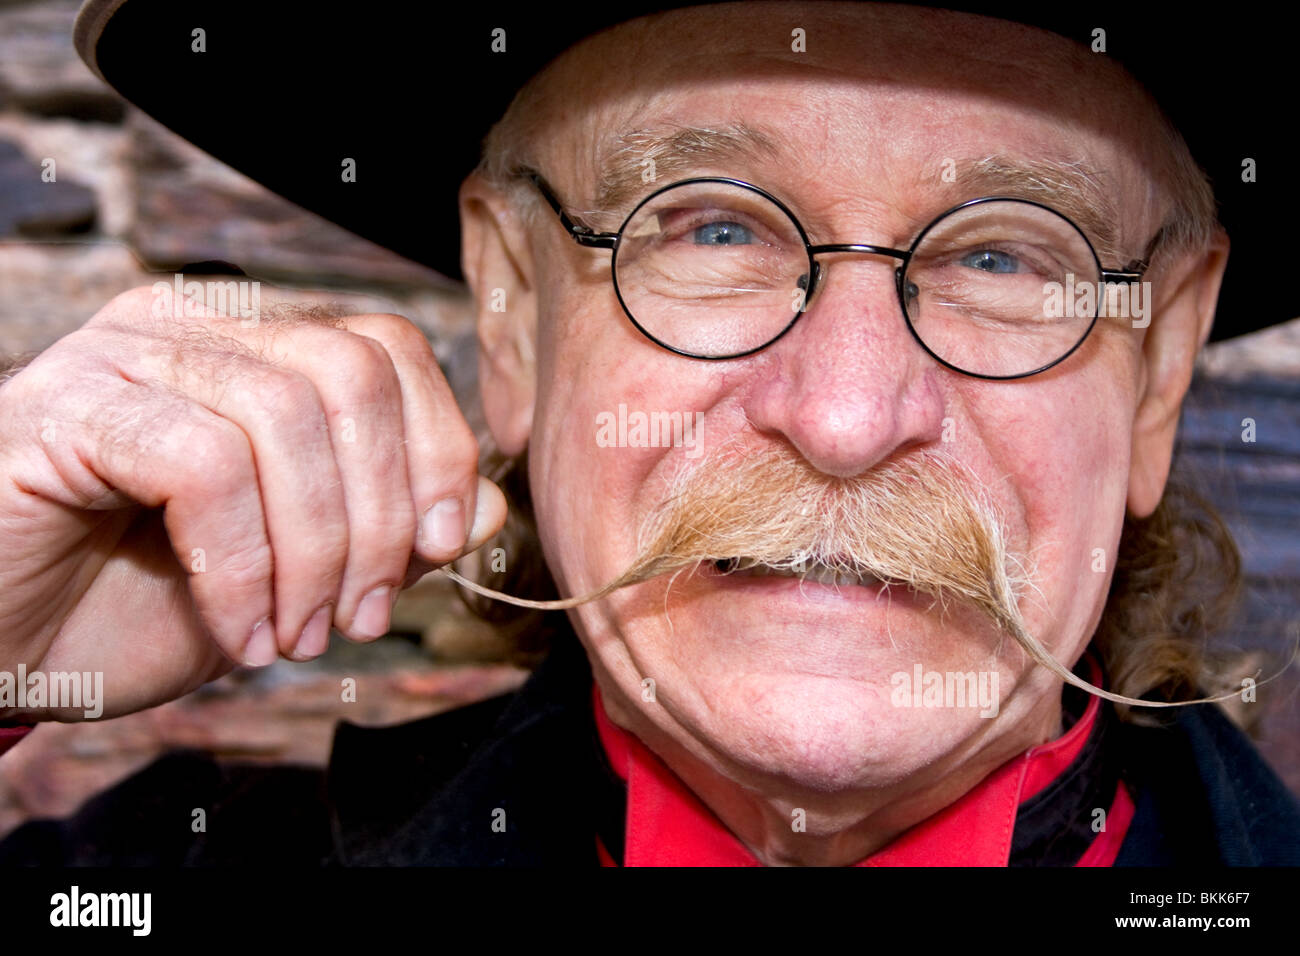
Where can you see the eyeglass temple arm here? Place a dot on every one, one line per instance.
(1138, 267)
(582, 234)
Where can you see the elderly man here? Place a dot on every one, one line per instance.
(808, 326)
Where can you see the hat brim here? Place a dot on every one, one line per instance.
(286, 94)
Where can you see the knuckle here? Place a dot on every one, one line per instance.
(246, 571)
(72, 356)
(334, 548)
(289, 396)
(387, 463)
(370, 373)
(326, 534)
(67, 381)
(102, 350)
(460, 450)
(331, 541)
(386, 538)
(217, 461)
(386, 326)
(131, 307)
(400, 336)
(38, 382)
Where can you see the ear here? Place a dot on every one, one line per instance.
(1182, 313)
(498, 265)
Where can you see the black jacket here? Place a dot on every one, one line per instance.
(428, 792)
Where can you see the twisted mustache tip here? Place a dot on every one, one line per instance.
(926, 522)
(1027, 641)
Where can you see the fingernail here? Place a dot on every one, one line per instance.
(488, 502)
(443, 525)
(372, 615)
(261, 649)
(315, 637)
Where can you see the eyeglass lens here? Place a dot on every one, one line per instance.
(717, 269)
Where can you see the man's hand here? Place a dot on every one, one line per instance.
(180, 494)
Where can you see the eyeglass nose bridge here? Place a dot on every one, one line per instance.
(854, 247)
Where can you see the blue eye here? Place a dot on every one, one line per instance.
(722, 234)
(990, 260)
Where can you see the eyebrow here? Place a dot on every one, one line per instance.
(674, 150)
(1072, 188)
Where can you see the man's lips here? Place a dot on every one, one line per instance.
(817, 573)
(818, 584)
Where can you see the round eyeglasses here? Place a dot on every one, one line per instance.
(717, 268)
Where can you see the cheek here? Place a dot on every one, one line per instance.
(1065, 451)
(615, 417)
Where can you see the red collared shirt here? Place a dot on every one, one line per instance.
(11, 735)
(667, 825)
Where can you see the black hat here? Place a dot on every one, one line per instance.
(285, 92)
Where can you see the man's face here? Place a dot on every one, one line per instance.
(775, 683)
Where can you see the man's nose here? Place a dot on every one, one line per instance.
(849, 386)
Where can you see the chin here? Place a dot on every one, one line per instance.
(790, 683)
(830, 734)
